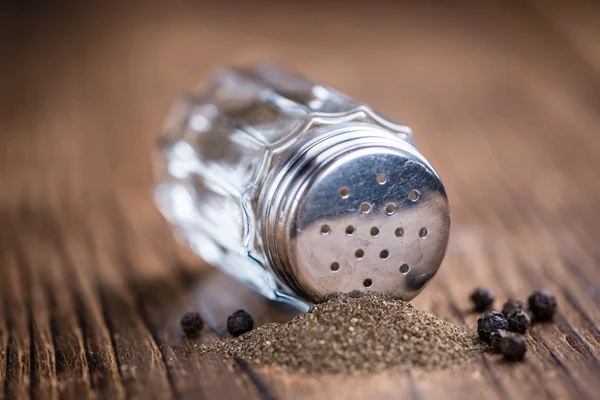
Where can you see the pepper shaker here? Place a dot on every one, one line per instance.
(298, 190)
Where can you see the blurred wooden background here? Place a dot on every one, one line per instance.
(504, 99)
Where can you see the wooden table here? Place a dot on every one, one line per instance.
(504, 98)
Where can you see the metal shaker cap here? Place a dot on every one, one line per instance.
(356, 209)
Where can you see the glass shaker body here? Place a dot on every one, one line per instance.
(299, 191)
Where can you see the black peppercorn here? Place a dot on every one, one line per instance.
(482, 299)
(192, 324)
(490, 322)
(512, 305)
(495, 339)
(239, 322)
(512, 347)
(542, 305)
(518, 321)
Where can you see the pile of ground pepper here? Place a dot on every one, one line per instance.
(355, 334)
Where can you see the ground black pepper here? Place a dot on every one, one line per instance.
(192, 324)
(357, 334)
(490, 322)
(239, 323)
(482, 299)
(542, 305)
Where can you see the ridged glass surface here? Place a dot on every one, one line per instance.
(219, 144)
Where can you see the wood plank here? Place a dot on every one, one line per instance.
(103, 369)
(502, 97)
(457, 280)
(548, 256)
(504, 271)
(576, 25)
(139, 359)
(43, 358)
(475, 264)
(538, 363)
(189, 374)
(18, 366)
(389, 384)
(4, 333)
(68, 338)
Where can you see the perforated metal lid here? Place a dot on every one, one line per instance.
(358, 210)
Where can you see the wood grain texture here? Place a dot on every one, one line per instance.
(43, 356)
(18, 359)
(503, 99)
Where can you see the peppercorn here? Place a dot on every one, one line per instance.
(482, 299)
(495, 339)
(513, 347)
(512, 305)
(239, 322)
(490, 322)
(518, 321)
(542, 305)
(192, 324)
